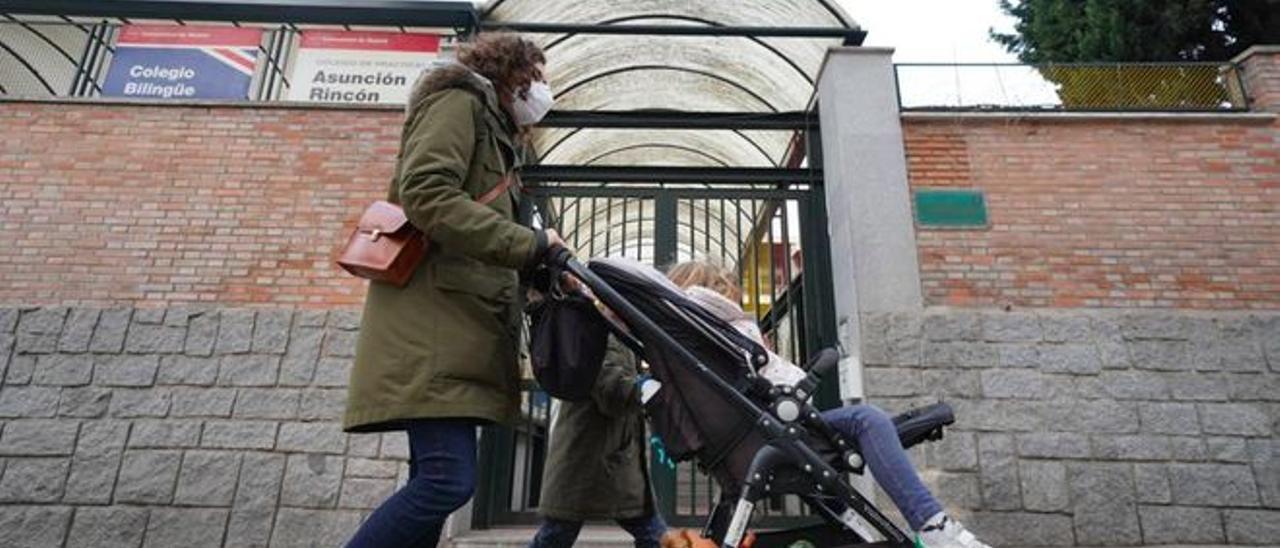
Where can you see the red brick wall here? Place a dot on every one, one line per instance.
(1107, 212)
(113, 204)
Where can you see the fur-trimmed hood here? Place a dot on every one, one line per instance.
(443, 75)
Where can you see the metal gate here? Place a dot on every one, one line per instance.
(774, 238)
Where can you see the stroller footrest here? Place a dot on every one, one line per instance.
(923, 423)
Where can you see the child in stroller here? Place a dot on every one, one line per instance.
(715, 289)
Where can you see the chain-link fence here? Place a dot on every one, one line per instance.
(1071, 87)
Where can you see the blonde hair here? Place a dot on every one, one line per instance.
(708, 275)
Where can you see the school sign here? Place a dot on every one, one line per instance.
(359, 67)
(183, 62)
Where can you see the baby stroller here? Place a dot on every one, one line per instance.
(754, 439)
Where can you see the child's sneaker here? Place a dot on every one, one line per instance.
(943, 532)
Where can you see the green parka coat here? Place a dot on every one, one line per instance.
(596, 465)
(445, 345)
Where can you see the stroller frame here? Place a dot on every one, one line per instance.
(785, 464)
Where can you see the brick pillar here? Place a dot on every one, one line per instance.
(1261, 67)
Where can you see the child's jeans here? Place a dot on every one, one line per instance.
(442, 478)
(882, 450)
(558, 533)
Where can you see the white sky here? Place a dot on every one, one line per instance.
(933, 31)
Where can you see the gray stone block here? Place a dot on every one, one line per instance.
(188, 370)
(249, 370)
(299, 363)
(959, 491)
(1142, 447)
(1066, 328)
(1228, 449)
(1197, 386)
(332, 372)
(1175, 524)
(1241, 355)
(235, 332)
(78, 331)
(903, 339)
(1156, 325)
(1152, 483)
(102, 438)
(185, 527)
(1103, 499)
(1259, 527)
(1000, 415)
(202, 334)
(998, 473)
(6, 353)
(1011, 327)
(1265, 457)
(364, 445)
(202, 402)
(310, 318)
(1169, 418)
(1044, 486)
(1015, 383)
(312, 481)
(957, 451)
(364, 493)
(34, 480)
(1097, 416)
(952, 326)
(1109, 524)
(207, 478)
(395, 445)
(1114, 355)
(960, 354)
(312, 437)
(1238, 419)
(260, 490)
(126, 370)
(1017, 354)
(951, 383)
(39, 329)
(164, 434)
(21, 370)
(84, 403)
(347, 320)
(1053, 445)
(28, 401)
(110, 527)
(9, 319)
(271, 331)
(92, 479)
(239, 435)
(249, 527)
(891, 382)
(1186, 448)
(267, 403)
(1262, 387)
(340, 344)
(323, 404)
(1213, 485)
(154, 339)
(39, 437)
(149, 316)
(148, 477)
(33, 526)
(1162, 355)
(306, 528)
(109, 333)
(1022, 529)
(371, 468)
(140, 402)
(1134, 385)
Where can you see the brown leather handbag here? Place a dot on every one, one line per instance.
(386, 247)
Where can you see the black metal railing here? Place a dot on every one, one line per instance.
(1137, 87)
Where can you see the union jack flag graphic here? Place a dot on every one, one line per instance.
(183, 62)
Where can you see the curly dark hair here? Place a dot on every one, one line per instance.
(508, 60)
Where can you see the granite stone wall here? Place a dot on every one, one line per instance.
(182, 427)
(1093, 427)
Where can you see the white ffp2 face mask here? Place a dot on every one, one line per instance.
(530, 110)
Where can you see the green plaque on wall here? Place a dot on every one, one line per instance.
(951, 208)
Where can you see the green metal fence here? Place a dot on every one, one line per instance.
(1138, 87)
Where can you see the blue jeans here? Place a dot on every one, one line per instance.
(558, 533)
(882, 450)
(442, 478)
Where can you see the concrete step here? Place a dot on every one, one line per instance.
(593, 536)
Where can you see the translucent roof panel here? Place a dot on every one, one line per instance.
(688, 73)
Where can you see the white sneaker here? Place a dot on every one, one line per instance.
(943, 532)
